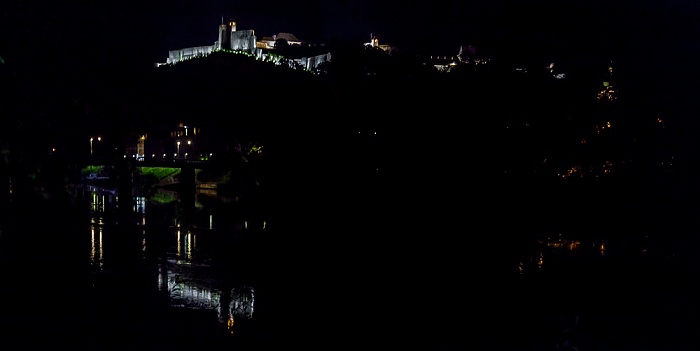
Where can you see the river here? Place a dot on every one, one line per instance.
(369, 268)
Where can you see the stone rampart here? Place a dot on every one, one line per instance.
(187, 53)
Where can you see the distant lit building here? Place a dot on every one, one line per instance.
(188, 142)
(444, 63)
(269, 42)
(245, 41)
(465, 57)
(374, 43)
(608, 92)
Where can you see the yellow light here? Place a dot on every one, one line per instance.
(230, 324)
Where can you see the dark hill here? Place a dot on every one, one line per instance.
(233, 90)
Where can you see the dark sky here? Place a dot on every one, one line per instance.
(139, 33)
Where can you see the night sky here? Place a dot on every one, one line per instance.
(110, 31)
(652, 43)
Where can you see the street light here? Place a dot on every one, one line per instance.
(178, 148)
(91, 138)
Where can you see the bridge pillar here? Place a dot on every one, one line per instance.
(187, 186)
(188, 179)
(125, 186)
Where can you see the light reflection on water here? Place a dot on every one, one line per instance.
(566, 246)
(183, 240)
(185, 246)
(187, 291)
(96, 253)
(187, 272)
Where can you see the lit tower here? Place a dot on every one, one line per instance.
(225, 30)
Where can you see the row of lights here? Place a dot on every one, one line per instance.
(166, 155)
(178, 143)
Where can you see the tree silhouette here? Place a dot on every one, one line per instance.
(281, 45)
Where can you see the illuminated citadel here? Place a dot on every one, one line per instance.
(245, 41)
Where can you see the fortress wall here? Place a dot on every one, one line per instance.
(186, 53)
(243, 40)
(312, 62)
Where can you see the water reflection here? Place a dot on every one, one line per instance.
(556, 249)
(101, 199)
(193, 252)
(241, 306)
(190, 249)
(185, 290)
(96, 248)
(139, 204)
(185, 245)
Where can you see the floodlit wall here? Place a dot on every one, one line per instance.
(243, 40)
(312, 62)
(187, 53)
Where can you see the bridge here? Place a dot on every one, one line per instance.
(187, 168)
(183, 164)
(125, 168)
(170, 163)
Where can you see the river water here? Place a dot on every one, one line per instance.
(175, 272)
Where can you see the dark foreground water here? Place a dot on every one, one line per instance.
(346, 269)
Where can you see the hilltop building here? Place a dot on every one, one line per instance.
(232, 39)
(269, 42)
(374, 42)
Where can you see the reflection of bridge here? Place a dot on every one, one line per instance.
(187, 178)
